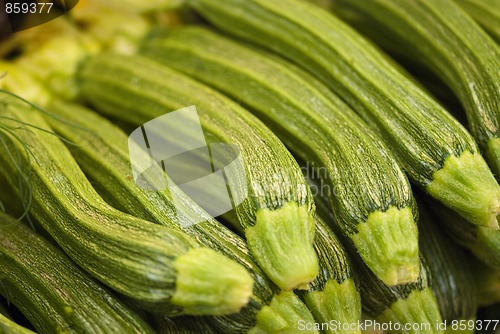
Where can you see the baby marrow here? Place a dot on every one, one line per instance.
(442, 36)
(452, 280)
(7, 326)
(183, 325)
(486, 13)
(484, 243)
(53, 293)
(437, 153)
(146, 262)
(372, 194)
(277, 214)
(100, 148)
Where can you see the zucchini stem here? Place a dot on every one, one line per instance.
(284, 314)
(208, 283)
(274, 234)
(418, 309)
(466, 185)
(339, 302)
(388, 244)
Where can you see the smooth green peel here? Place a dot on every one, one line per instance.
(209, 283)
(466, 185)
(339, 302)
(388, 244)
(282, 242)
(285, 314)
(8, 326)
(419, 309)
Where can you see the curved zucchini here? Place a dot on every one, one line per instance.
(372, 194)
(277, 210)
(101, 151)
(452, 280)
(442, 36)
(146, 262)
(8, 326)
(484, 12)
(437, 153)
(184, 325)
(52, 292)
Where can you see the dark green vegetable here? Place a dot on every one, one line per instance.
(452, 279)
(184, 325)
(443, 37)
(149, 263)
(52, 292)
(277, 210)
(437, 152)
(486, 13)
(371, 194)
(101, 151)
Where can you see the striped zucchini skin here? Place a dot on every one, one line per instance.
(277, 213)
(450, 269)
(101, 151)
(424, 137)
(136, 258)
(486, 13)
(442, 36)
(361, 170)
(52, 292)
(184, 325)
(484, 243)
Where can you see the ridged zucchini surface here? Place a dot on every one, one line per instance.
(435, 150)
(277, 213)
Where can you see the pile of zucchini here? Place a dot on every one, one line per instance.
(368, 133)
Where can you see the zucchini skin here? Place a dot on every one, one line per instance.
(450, 269)
(422, 135)
(484, 12)
(358, 166)
(443, 37)
(8, 326)
(184, 325)
(276, 186)
(134, 257)
(101, 151)
(52, 292)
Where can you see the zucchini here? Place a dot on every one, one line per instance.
(277, 213)
(488, 284)
(7, 326)
(437, 153)
(372, 194)
(452, 279)
(101, 151)
(486, 13)
(146, 262)
(484, 243)
(53, 293)
(183, 325)
(443, 37)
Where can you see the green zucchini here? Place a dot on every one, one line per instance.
(437, 153)
(484, 243)
(452, 279)
(53, 293)
(277, 211)
(101, 151)
(487, 282)
(7, 326)
(146, 262)
(372, 194)
(486, 13)
(443, 37)
(183, 325)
